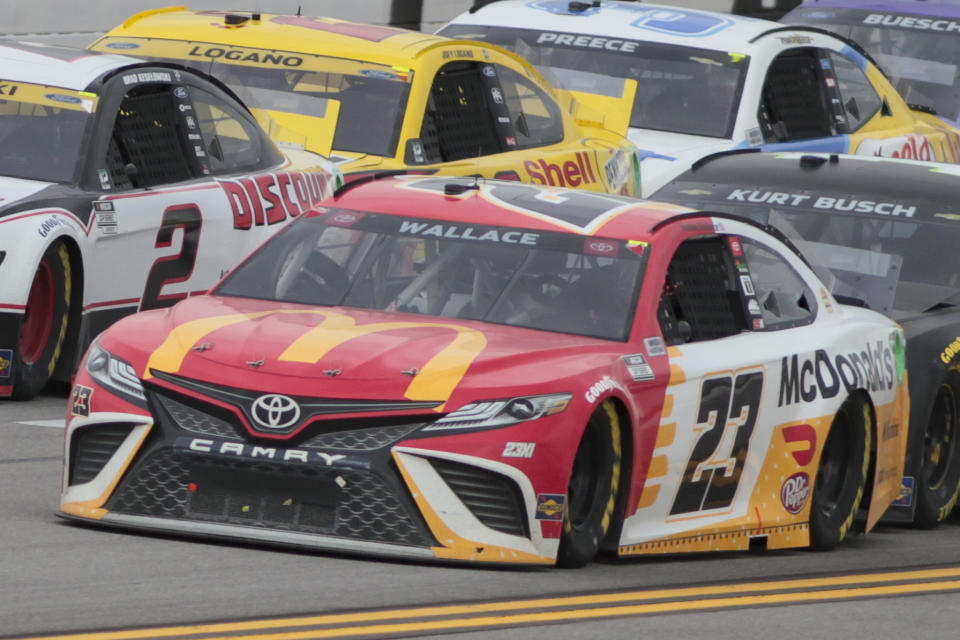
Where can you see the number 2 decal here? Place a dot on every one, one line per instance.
(710, 482)
(178, 267)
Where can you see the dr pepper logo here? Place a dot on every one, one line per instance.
(795, 492)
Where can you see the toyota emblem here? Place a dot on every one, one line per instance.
(274, 411)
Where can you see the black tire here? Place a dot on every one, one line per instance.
(592, 490)
(43, 328)
(841, 474)
(938, 484)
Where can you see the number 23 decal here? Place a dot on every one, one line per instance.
(710, 482)
(179, 266)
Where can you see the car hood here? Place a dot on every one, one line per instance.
(665, 155)
(349, 353)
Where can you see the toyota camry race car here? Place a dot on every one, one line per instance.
(884, 232)
(914, 41)
(707, 82)
(124, 185)
(438, 368)
(388, 98)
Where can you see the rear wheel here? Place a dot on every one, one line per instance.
(841, 475)
(43, 328)
(592, 491)
(939, 479)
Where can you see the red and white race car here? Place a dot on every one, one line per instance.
(124, 185)
(441, 368)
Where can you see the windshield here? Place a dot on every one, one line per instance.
(898, 254)
(920, 54)
(516, 277)
(679, 89)
(41, 129)
(373, 97)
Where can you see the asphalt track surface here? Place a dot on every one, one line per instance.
(73, 581)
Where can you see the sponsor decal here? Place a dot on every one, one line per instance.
(458, 53)
(617, 170)
(6, 363)
(598, 388)
(550, 506)
(905, 499)
(510, 141)
(754, 137)
(458, 232)
(147, 76)
(791, 40)
(826, 300)
(754, 307)
(185, 107)
(238, 54)
(80, 401)
(822, 202)
(503, 120)
(191, 123)
(747, 285)
(825, 63)
(257, 452)
(497, 95)
(912, 22)
(122, 45)
(489, 71)
(518, 449)
(912, 147)
(61, 97)
(735, 247)
(757, 324)
(952, 349)
(8, 89)
(274, 197)
(598, 247)
(637, 367)
(830, 82)
(655, 346)
(569, 173)
(795, 492)
(49, 225)
(823, 376)
(801, 433)
(181, 92)
(344, 219)
(275, 411)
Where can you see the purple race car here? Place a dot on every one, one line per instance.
(915, 42)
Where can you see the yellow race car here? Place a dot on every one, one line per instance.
(377, 98)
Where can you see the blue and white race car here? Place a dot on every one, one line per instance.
(695, 82)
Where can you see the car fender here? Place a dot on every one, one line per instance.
(24, 238)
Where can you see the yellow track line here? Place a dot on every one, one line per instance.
(591, 602)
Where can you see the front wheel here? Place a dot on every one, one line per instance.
(592, 491)
(841, 475)
(939, 477)
(43, 328)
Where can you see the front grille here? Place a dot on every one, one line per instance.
(91, 448)
(355, 504)
(190, 419)
(361, 439)
(493, 498)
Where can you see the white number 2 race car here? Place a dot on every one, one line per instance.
(124, 185)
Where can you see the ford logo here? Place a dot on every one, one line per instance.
(180, 92)
(59, 97)
(274, 411)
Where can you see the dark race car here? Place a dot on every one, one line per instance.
(885, 232)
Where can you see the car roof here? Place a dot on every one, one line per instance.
(920, 7)
(301, 34)
(56, 66)
(507, 204)
(931, 186)
(708, 29)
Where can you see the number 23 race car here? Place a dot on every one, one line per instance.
(440, 368)
(124, 185)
